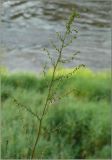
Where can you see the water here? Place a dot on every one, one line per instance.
(27, 26)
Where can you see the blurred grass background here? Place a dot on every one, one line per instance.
(76, 127)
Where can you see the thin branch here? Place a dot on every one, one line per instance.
(71, 73)
(58, 98)
(49, 56)
(25, 107)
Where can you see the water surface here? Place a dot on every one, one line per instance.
(27, 26)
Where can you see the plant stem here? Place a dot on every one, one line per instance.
(37, 138)
(47, 99)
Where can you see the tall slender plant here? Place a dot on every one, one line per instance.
(65, 39)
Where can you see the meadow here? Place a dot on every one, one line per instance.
(76, 126)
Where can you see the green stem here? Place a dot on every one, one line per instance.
(47, 99)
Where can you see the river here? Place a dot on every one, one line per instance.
(28, 25)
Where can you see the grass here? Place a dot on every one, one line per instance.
(77, 126)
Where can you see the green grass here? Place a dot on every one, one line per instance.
(77, 126)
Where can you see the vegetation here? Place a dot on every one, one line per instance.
(78, 127)
(34, 122)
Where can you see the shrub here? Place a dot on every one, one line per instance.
(78, 127)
